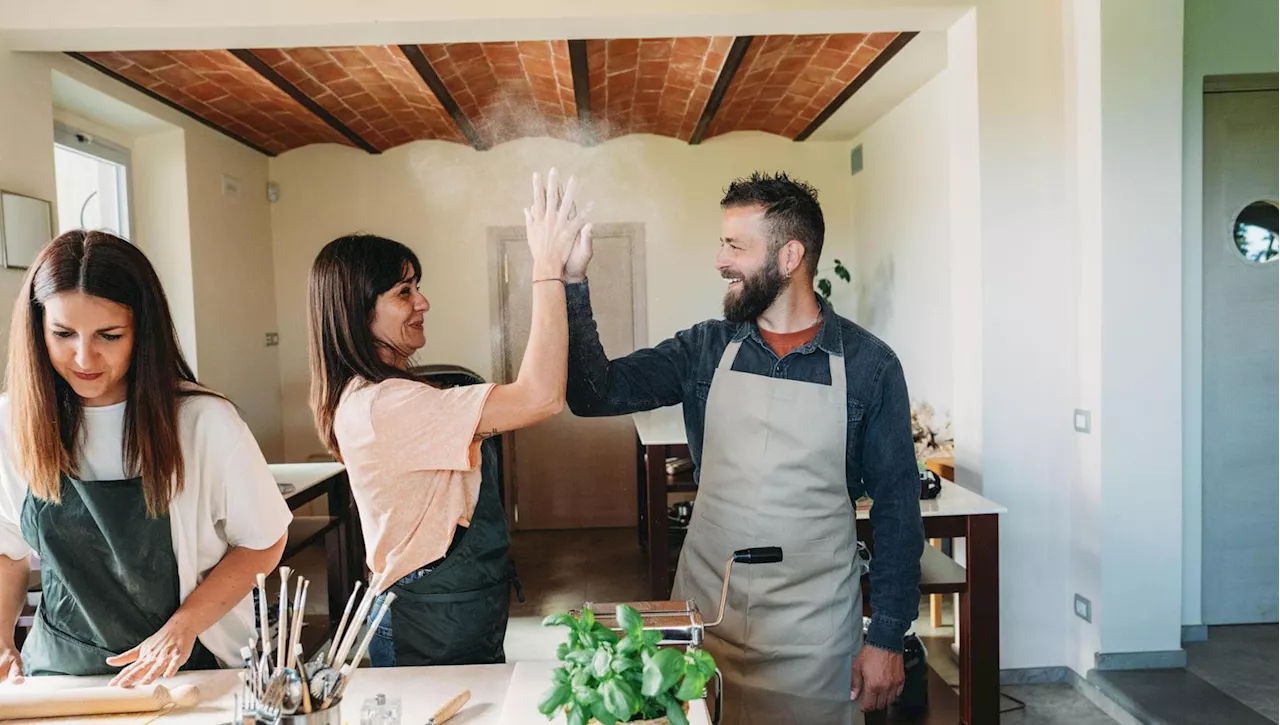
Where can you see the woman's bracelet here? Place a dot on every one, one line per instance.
(548, 279)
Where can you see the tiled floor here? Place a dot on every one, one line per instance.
(1242, 662)
(561, 570)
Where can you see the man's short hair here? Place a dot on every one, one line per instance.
(790, 207)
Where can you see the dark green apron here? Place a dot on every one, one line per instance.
(456, 614)
(108, 578)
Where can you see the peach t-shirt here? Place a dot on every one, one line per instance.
(413, 462)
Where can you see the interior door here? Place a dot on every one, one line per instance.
(570, 472)
(1240, 395)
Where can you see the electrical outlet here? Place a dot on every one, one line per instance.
(273, 339)
(1084, 609)
(1082, 421)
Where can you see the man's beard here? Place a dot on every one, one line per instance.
(757, 293)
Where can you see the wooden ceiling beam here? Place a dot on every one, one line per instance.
(429, 76)
(582, 90)
(261, 68)
(157, 97)
(732, 62)
(875, 65)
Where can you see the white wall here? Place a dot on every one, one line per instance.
(1082, 24)
(902, 240)
(439, 199)
(1221, 38)
(1141, 324)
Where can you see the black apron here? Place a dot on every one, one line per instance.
(457, 613)
(108, 577)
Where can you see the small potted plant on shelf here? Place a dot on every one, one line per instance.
(607, 678)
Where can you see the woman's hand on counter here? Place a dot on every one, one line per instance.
(159, 655)
(10, 663)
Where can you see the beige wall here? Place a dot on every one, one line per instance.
(231, 262)
(440, 198)
(162, 227)
(26, 154)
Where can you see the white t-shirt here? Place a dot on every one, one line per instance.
(229, 498)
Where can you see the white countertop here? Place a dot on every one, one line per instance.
(497, 698)
(665, 426)
(304, 475)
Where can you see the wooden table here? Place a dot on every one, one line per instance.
(500, 695)
(302, 483)
(956, 513)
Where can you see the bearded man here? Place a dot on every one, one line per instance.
(792, 413)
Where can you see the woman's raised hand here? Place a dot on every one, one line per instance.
(553, 225)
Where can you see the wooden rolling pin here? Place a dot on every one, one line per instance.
(19, 702)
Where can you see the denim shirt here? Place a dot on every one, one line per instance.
(880, 454)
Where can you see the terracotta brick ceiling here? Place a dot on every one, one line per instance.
(484, 94)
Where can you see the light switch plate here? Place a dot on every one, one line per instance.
(1082, 421)
(1084, 609)
(230, 186)
(273, 339)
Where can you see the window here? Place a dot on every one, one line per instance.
(92, 177)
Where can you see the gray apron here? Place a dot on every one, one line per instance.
(773, 474)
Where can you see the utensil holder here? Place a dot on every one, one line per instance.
(331, 715)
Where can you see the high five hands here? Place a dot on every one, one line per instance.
(555, 230)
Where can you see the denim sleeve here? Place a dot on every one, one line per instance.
(644, 380)
(893, 482)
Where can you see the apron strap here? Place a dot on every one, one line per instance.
(730, 354)
(837, 371)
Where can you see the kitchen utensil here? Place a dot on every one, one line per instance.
(302, 676)
(450, 708)
(323, 686)
(270, 707)
(342, 625)
(298, 610)
(264, 675)
(283, 619)
(18, 702)
(363, 648)
(264, 632)
(291, 701)
(353, 628)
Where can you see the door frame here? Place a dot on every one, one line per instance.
(497, 237)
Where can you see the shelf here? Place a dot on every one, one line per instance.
(681, 483)
(939, 574)
(307, 530)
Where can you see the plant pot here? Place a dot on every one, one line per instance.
(656, 721)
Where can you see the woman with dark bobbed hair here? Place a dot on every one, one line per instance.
(143, 493)
(434, 529)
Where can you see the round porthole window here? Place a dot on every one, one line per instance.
(1256, 232)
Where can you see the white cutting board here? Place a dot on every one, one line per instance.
(532, 679)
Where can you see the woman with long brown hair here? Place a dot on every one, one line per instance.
(143, 493)
(434, 529)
